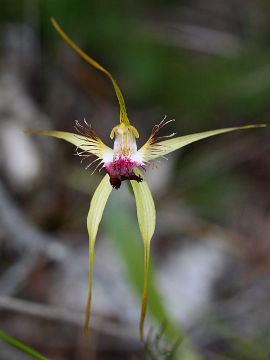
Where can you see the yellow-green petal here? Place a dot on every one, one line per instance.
(94, 146)
(151, 151)
(95, 64)
(146, 213)
(95, 213)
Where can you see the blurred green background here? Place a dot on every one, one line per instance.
(206, 64)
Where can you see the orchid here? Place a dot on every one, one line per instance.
(123, 162)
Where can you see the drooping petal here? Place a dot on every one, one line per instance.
(150, 151)
(95, 64)
(146, 213)
(96, 209)
(92, 145)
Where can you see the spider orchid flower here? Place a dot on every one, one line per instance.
(123, 162)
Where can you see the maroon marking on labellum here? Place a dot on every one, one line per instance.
(120, 170)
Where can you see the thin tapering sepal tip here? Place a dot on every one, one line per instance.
(255, 126)
(150, 151)
(143, 312)
(88, 309)
(86, 331)
(147, 219)
(123, 113)
(95, 213)
(55, 24)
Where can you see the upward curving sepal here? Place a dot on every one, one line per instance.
(146, 213)
(150, 151)
(96, 209)
(123, 113)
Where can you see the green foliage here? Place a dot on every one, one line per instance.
(21, 346)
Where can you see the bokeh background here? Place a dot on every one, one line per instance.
(205, 63)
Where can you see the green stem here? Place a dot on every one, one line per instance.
(21, 346)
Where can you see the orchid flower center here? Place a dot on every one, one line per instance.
(125, 156)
